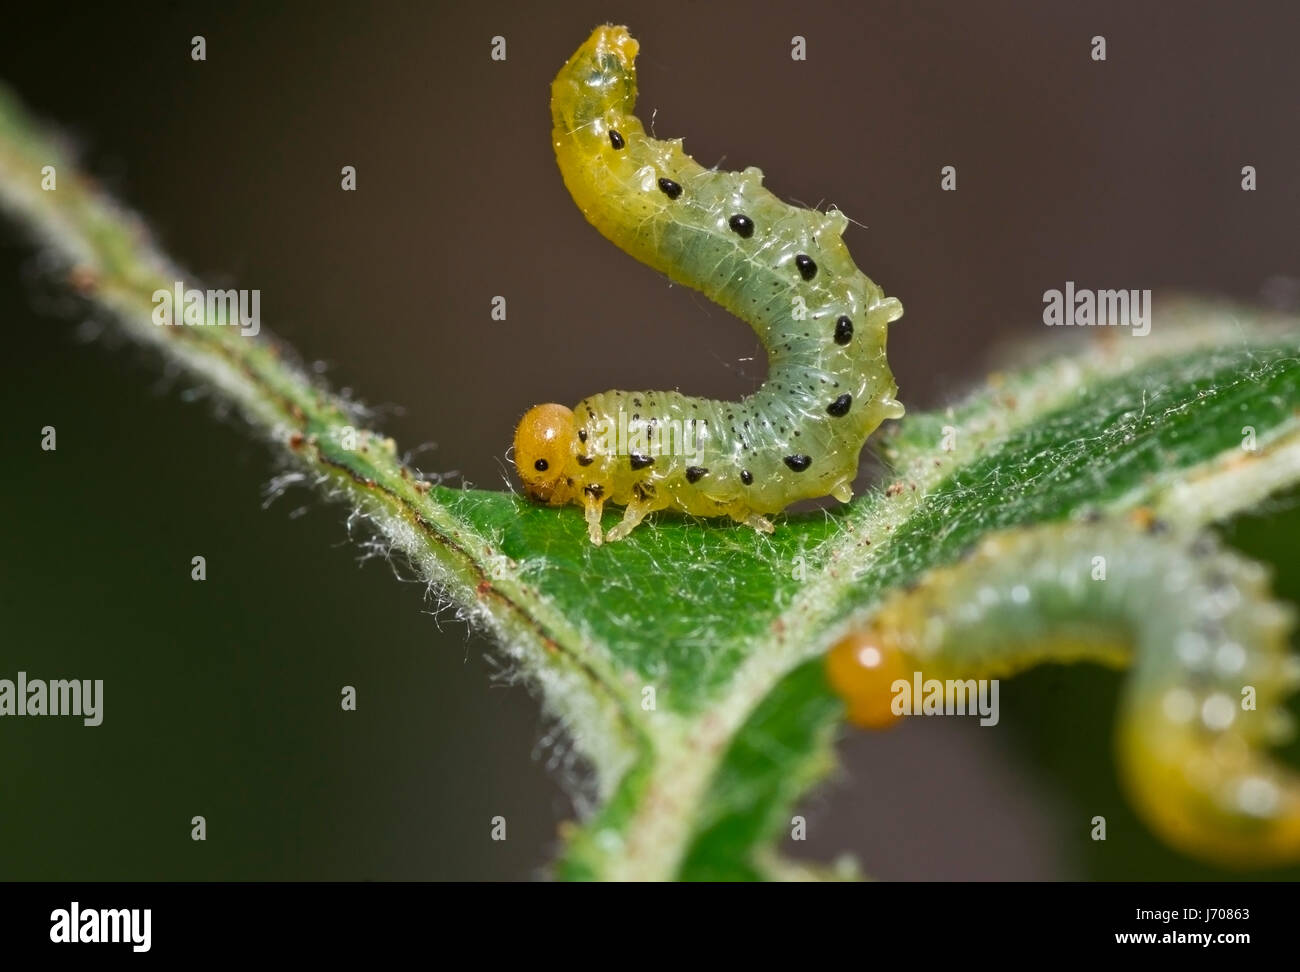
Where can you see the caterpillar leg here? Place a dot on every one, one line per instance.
(760, 523)
(633, 514)
(843, 492)
(592, 508)
(1208, 650)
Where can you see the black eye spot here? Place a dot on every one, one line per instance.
(640, 462)
(798, 463)
(807, 269)
(840, 407)
(746, 477)
(541, 465)
(695, 473)
(843, 331)
(741, 225)
(669, 188)
(616, 139)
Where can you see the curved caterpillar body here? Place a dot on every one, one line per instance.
(784, 270)
(1207, 646)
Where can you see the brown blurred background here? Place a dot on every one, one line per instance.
(222, 698)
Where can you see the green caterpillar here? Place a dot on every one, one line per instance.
(783, 269)
(1207, 646)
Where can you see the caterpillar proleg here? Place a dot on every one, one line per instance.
(784, 270)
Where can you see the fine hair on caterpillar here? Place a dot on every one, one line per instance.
(1206, 645)
(782, 269)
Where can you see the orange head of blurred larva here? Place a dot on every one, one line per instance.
(862, 669)
(546, 444)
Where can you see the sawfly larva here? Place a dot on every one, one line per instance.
(784, 270)
(1206, 644)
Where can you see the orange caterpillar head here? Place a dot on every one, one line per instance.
(862, 669)
(546, 444)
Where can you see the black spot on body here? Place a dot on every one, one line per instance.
(695, 473)
(541, 465)
(640, 462)
(582, 435)
(585, 460)
(843, 331)
(669, 188)
(746, 477)
(616, 139)
(840, 407)
(741, 225)
(807, 268)
(798, 463)
(595, 491)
